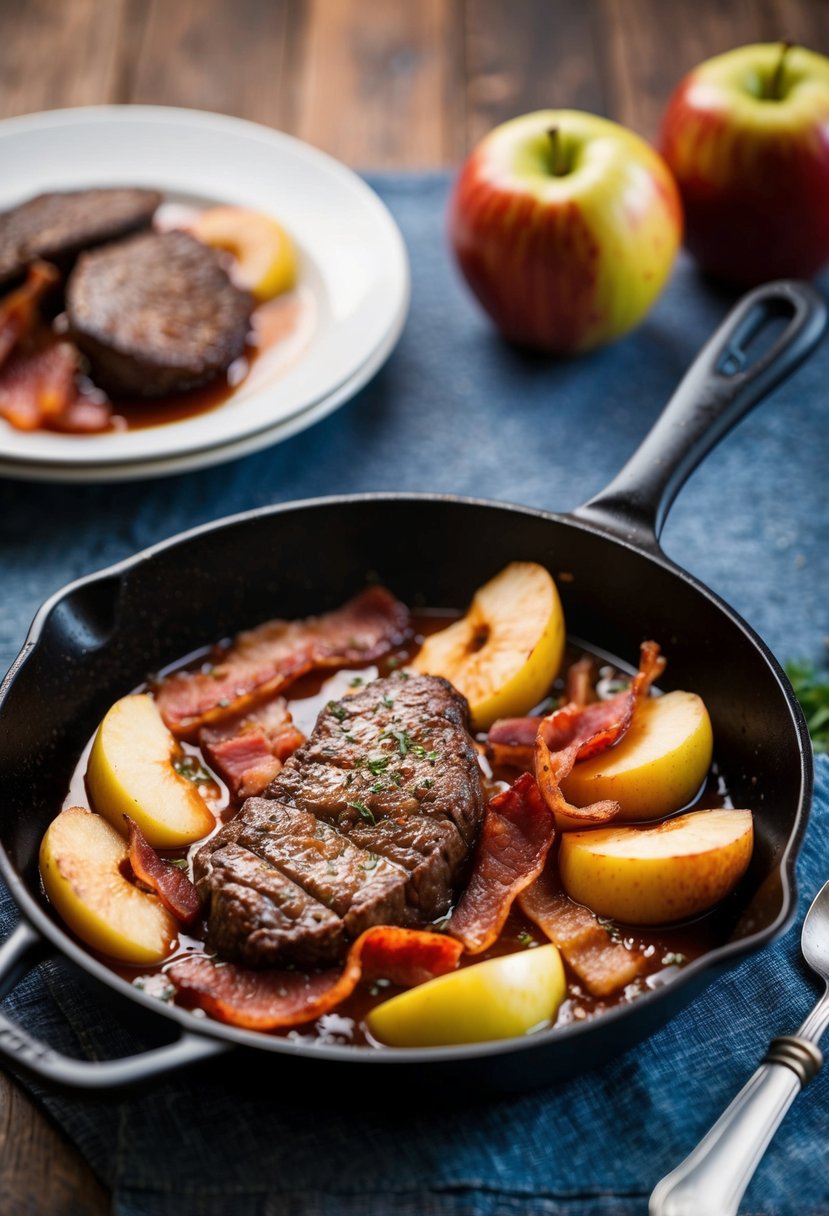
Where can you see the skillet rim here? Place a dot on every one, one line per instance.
(694, 973)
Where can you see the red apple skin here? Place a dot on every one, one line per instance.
(753, 172)
(567, 263)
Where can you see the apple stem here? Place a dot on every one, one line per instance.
(776, 83)
(558, 164)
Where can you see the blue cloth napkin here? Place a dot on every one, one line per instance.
(457, 410)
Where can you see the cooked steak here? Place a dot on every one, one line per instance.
(156, 314)
(57, 226)
(374, 818)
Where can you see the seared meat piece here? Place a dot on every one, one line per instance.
(156, 314)
(357, 886)
(258, 916)
(57, 226)
(374, 817)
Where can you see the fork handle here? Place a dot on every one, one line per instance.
(712, 1179)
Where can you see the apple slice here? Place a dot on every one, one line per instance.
(659, 874)
(656, 767)
(506, 652)
(263, 252)
(80, 860)
(131, 773)
(498, 999)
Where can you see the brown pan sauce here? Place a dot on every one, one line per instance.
(666, 950)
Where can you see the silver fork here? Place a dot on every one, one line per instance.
(712, 1179)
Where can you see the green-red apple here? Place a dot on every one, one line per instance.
(566, 226)
(747, 137)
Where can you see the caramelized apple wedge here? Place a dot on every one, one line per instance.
(503, 997)
(265, 260)
(657, 767)
(506, 652)
(656, 875)
(131, 772)
(81, 857)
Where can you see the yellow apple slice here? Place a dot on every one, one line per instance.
(498, 999)
(80, 859)
(506, 652)
(659, 874)
(131, 773)
(264, 253)
(657, 767)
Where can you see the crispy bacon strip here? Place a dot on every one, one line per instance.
(249, 750)
(597, 726)
(265, 660)
(38, 388)
(602, 965)
(515, 839)
(550, 770)
(170, 884)
(19, 309)
(275, 1000)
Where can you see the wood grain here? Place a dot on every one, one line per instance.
(41, 1173)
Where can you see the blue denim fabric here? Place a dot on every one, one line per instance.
(457, 410)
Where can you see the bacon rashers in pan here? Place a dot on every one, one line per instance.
(262, 661)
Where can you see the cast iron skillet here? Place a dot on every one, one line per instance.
(97, 639)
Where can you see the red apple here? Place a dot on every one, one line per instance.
(566, 226)
(747, 137)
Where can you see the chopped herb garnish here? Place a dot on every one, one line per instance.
(181, 863)
(189, 767)
(356, 682)
(392, 663)
(363, 811)
(370, 864)
(377, 788)
(404, 743)
(349, 739)
(527, 940)
(388, 702)
(426, 783)
(377, 764)
(339, 711)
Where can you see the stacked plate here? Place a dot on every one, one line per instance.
(353, 269)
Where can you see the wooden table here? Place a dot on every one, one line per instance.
(380, 84)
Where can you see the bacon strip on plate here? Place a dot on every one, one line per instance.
(262, 661)
(170, 884)
(249, 750)
(515, 839)
(276, 1000)
(19, 309)
(602, 965)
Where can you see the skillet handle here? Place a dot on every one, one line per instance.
(21, 950)
(724, 382)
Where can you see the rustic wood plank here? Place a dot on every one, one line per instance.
(212, 55)
(650, 45)
(55, 55)
(805, 22)
(41, 1173)
(379, 83)
(529, 55)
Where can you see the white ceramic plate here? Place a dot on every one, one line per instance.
(352, 260)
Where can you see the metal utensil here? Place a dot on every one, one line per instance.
(711, 1181)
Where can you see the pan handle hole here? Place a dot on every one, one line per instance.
(755, 337)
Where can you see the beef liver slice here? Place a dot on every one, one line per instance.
(257, 916)
(357, 884)
(395, 769)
